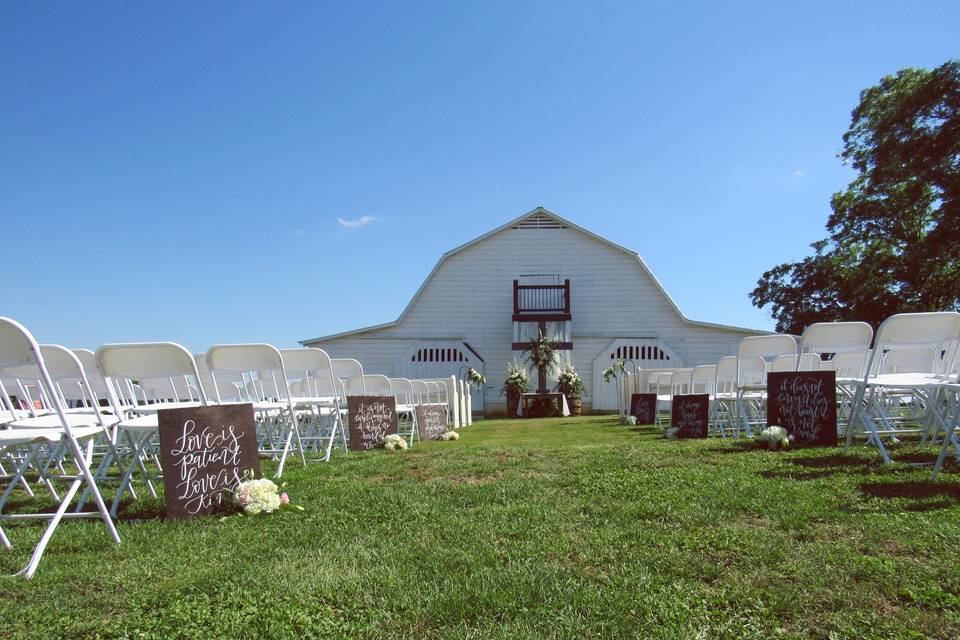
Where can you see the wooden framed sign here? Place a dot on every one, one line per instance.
(205, 451)
(372, 418)
(805, 404)
(643, 407)
(691, 415)
(431, 420)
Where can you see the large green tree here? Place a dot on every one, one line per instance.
(894, 242)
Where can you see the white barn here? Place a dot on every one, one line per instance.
(485, 299)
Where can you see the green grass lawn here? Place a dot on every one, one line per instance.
(572, 528)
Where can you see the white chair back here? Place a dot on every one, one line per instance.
(377, 385)
(936, 332)
(806, 362)
(257, 368)
(143, 363)
(703, 379)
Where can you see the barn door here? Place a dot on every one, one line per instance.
(645, 353)
(442, 360)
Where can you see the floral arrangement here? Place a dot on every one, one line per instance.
(516, 380)
(613, 370)
(476, 379)
(569, 383)
(540, 353)
(629, 420)
(260, 496)
(394, 442)
(672, 433)
(450, 435)
(775, 437)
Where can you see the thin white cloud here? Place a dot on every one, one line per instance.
(362, 221)
(799, 175)
(297, 232)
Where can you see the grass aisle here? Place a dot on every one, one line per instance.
(551, 528)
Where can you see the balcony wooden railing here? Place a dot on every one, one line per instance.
(541, 298)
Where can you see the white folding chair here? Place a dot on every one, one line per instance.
(317, 398)
(141, 379)
(71, 383)
(405, 397)
(262, 380)
(660, 382)
(725, 397)
(936, 332)
(754, 358)
(849, 345)
(440, 387)
(18, 348)
(703, 379)
(951, 394)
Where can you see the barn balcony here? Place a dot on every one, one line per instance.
(541, 308)
(541, 299)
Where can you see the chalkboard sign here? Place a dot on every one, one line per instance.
(691, 415)
(431, 420)
(372, 419)
(204, 451)
(805, 404)
(643, 407)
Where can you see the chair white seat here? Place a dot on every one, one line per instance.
(14, 437)
(10, 416)
(142, 423)
(270, 406)
(52, 421)
(907, 380)
(157, 406)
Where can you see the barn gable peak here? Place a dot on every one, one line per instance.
(540, 218)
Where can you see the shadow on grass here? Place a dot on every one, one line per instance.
(835, 460)
(735, 446)
(799, 475)
(923, 495)
(648, 433)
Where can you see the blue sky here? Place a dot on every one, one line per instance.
(179, 171)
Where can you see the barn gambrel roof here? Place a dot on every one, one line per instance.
(539, 218)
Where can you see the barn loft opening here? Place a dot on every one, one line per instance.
(539, 220)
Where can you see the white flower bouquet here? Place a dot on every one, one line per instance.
(569, 383)
(450, 435)
(775, 437)
(516, 380)
(614, 370)
(673, 433)
(477, 379)
(261, 496)
(394, 442)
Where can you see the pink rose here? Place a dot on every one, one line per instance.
(244, 499)
(284, 498)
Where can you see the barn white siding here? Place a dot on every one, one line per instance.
(468, 298)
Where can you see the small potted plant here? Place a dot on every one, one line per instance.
(514, 386)
(570, 385)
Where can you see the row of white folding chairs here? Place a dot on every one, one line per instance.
(136, 380)
(257, 374)
(906, 384)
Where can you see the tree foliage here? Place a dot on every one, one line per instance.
(894, 243)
